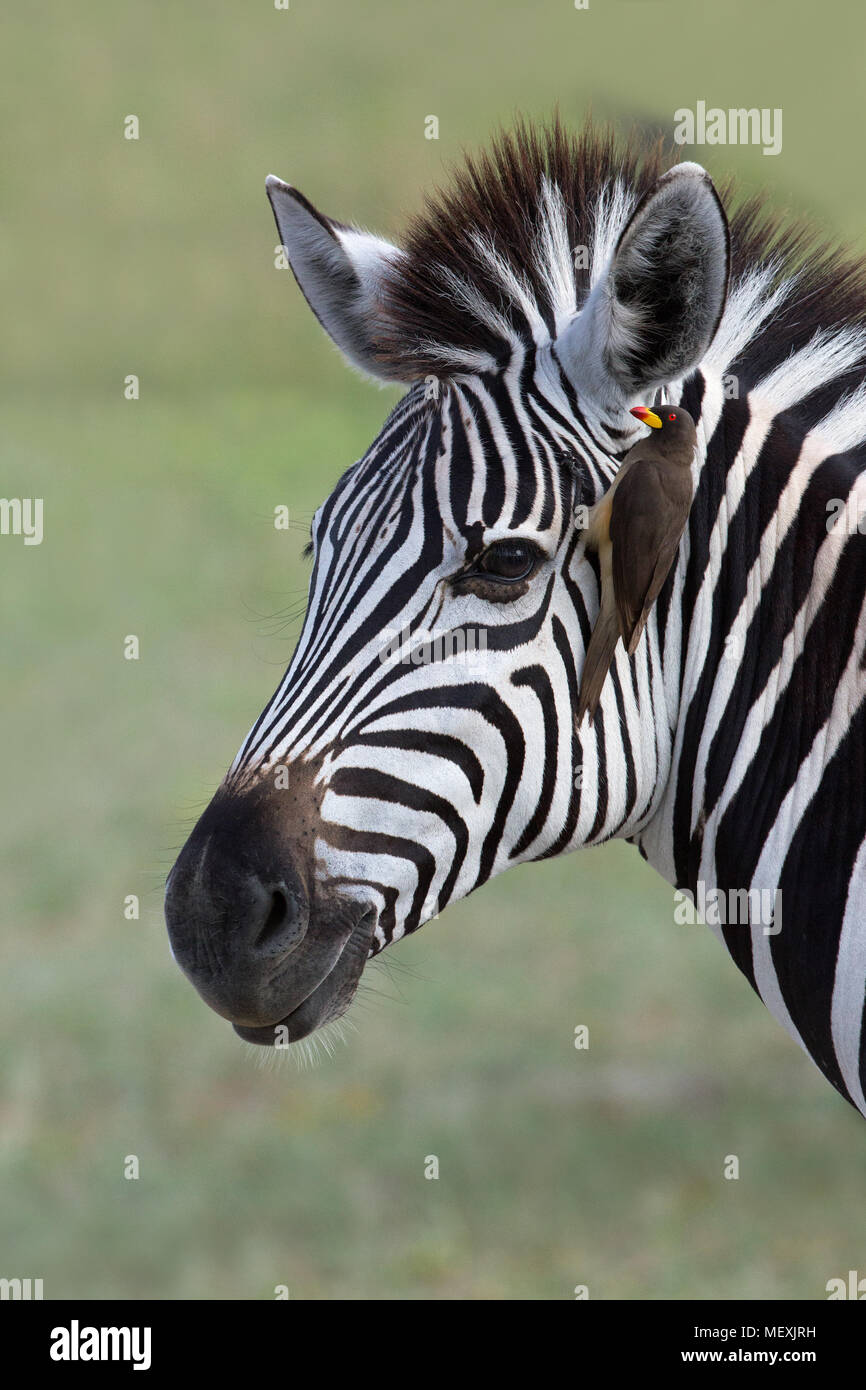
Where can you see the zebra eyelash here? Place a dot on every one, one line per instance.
(308, 550)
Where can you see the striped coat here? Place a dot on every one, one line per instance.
(425, 725)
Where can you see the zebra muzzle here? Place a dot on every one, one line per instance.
(262, 949)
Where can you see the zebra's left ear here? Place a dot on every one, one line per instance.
(654, 311)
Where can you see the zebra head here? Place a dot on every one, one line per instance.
(422, 739)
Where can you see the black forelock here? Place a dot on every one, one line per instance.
(496, 198)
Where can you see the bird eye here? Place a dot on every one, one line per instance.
(509, 560)
(672, 417)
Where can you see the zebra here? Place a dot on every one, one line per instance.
(557, 280)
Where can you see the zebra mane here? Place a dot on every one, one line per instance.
(511, 249)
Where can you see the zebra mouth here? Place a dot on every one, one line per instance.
(329, 1000)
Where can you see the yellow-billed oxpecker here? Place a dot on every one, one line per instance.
(636, 530)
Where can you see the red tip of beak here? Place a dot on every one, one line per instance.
(641, 411)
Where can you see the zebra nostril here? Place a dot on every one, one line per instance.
(277, 915)
(285, 922)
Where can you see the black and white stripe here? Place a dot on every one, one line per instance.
(732, 747)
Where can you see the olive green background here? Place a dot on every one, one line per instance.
(155, 257)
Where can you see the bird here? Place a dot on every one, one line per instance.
(635, 529)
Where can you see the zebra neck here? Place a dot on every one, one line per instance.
(708, 632)
(763, 632)
(702, 630)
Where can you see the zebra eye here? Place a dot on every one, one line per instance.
(509, 560)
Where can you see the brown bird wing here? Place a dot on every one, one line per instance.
(648, 515)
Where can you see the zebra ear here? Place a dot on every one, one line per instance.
(654, 311)
(339, 271)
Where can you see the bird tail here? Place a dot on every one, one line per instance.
(599, 655)
(635, 634)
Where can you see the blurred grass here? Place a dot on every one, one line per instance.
(557, 1167)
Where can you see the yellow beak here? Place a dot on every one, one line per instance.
(647, 417)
